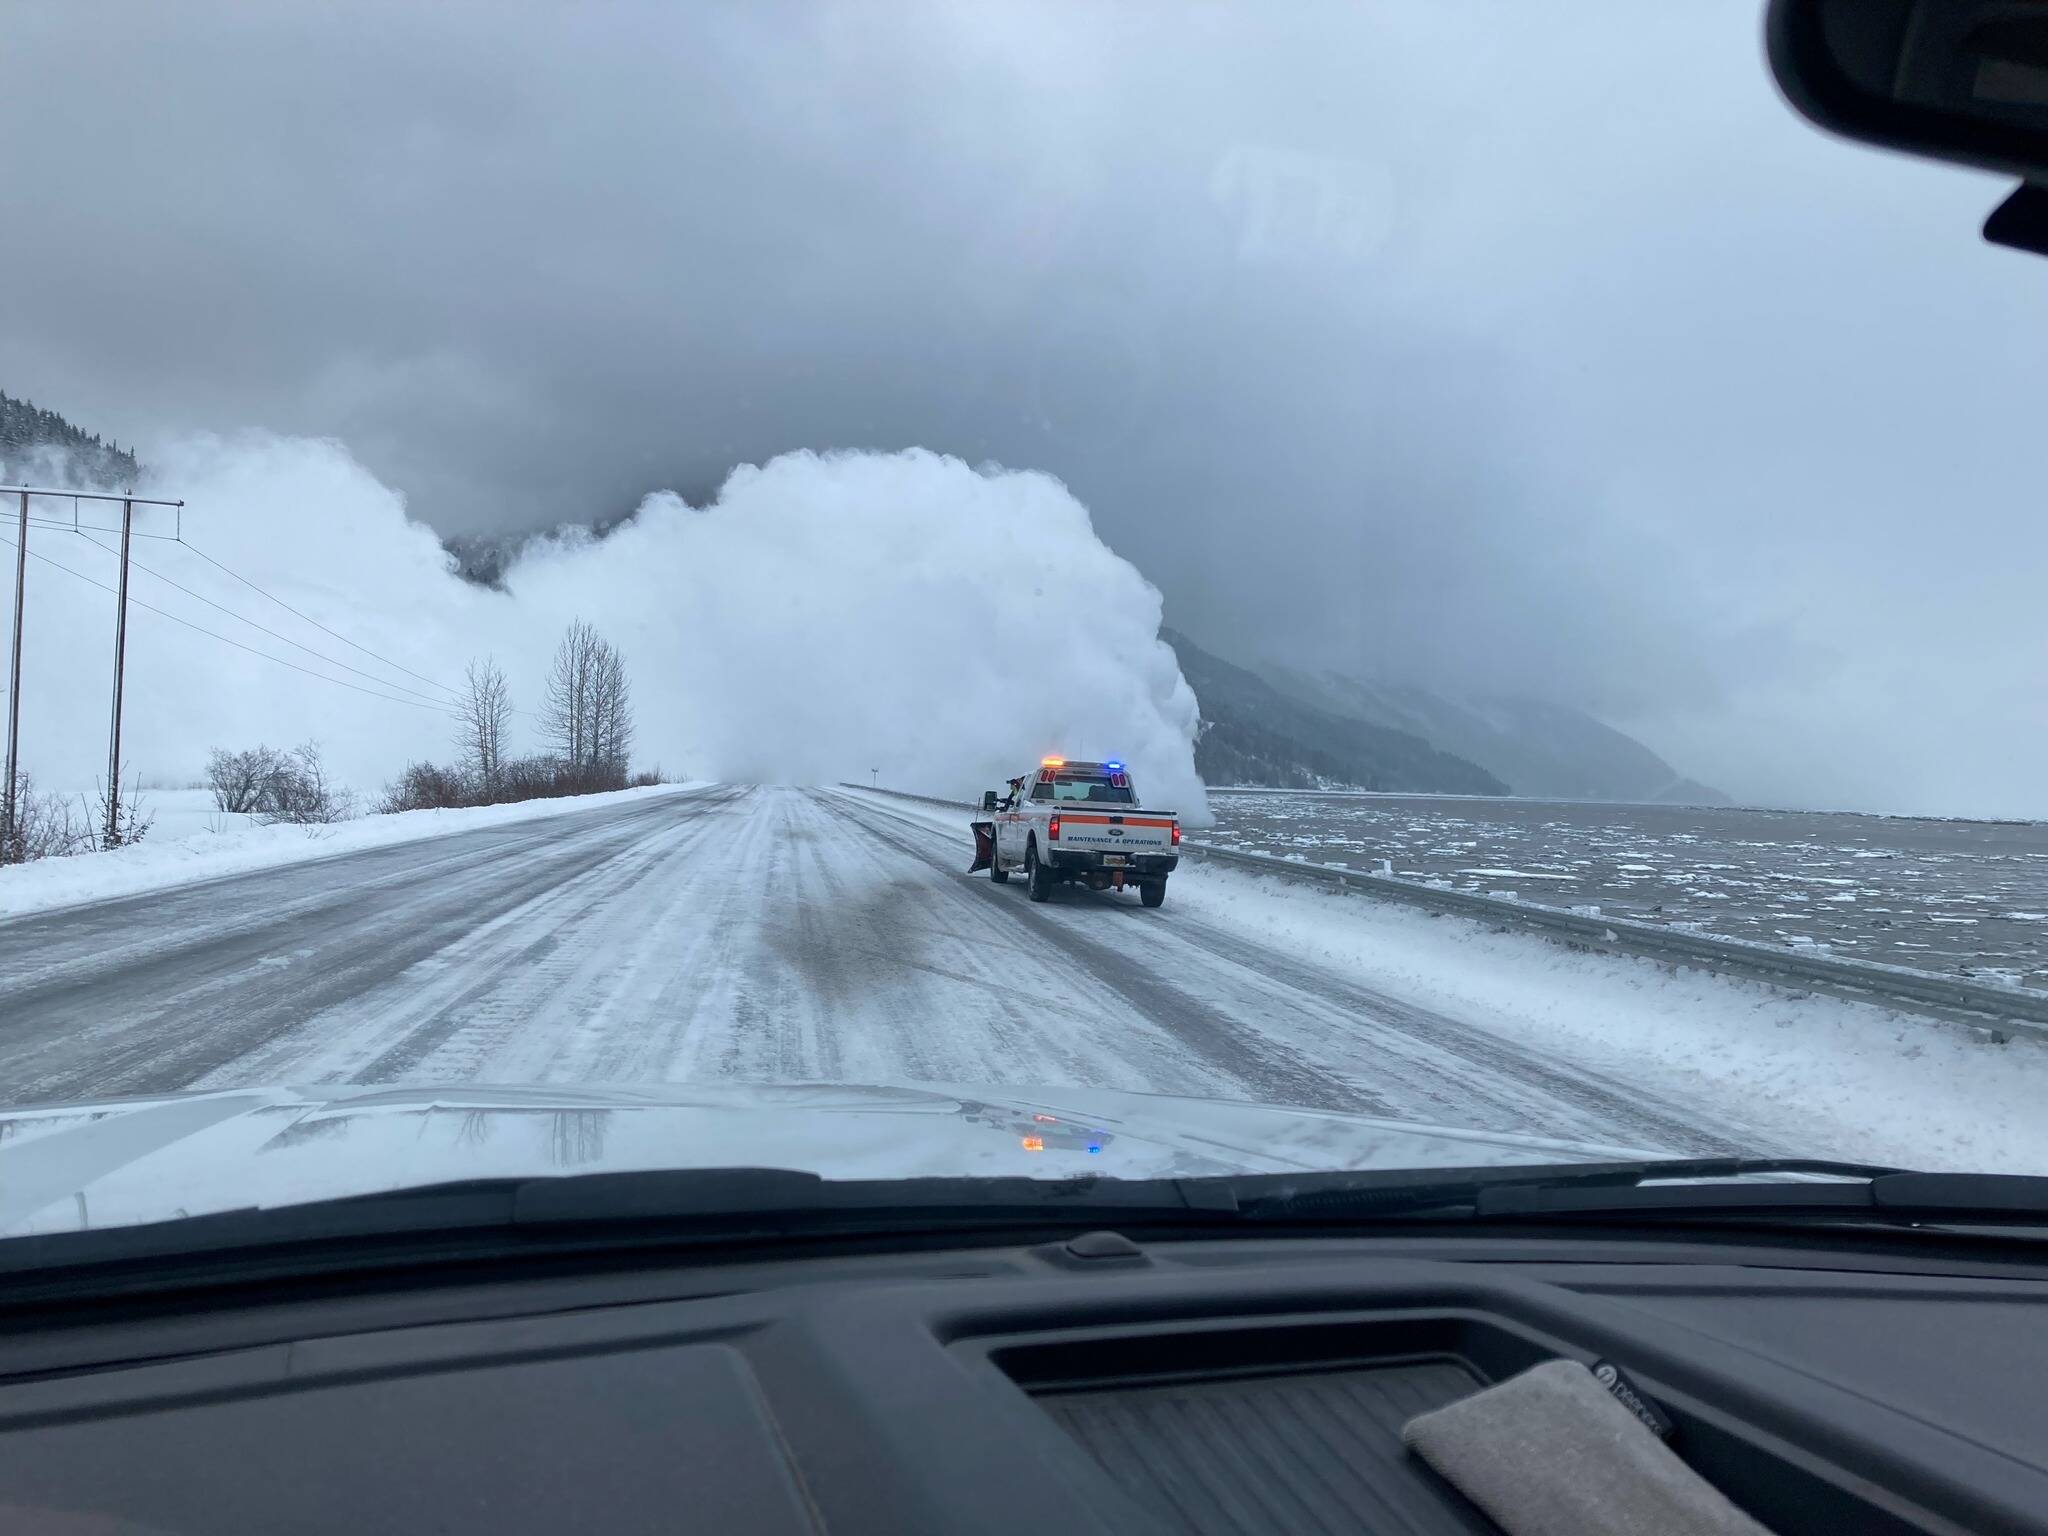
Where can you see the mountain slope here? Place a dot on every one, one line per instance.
(40, 446)
(1543, 750)
(1254, 734)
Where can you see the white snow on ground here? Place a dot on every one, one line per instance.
(1827, 1076)
(743, 935)
(764, 936)
(174, 814)
(191, 842)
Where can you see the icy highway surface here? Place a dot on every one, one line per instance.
(753, 934)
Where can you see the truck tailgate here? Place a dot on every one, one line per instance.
(1104, 832)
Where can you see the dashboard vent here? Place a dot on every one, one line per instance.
(1298, 1454)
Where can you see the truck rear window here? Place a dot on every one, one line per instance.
(1097, 790)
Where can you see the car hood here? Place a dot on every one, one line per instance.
(68, 1167)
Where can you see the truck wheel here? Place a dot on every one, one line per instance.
(1037, 878)
(1152, 892)
(996, 872)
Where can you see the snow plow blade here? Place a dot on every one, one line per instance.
(984, 846)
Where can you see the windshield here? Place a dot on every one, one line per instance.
(535, 545)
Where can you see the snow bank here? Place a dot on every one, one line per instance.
(189, 843)
(823, 616)
(1817, 1076)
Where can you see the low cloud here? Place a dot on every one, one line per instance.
(1495, 348)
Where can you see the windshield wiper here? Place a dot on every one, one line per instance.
(1762, 1187)
(597, 1213)
(1882, 1196)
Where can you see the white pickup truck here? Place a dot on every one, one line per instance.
(1076, 821)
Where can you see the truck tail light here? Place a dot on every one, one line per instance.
(1176, 834)
(1052, 829)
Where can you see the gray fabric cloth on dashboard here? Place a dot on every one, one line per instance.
(1551, 1453)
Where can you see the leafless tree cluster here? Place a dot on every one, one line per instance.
(45, 826)
(586, 707)
(586, 721)
(429, 786)
(49, 826)
(586, 718)
(277, 786)
(120, 819)
(482, 717)
(237, 779)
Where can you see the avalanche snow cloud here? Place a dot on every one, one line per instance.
(824, 616)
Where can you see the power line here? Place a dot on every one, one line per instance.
(224, 640)
(274, 634)
(43, 522)
(344, 639)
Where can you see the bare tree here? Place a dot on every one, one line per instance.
(44, 827)
(611, 714)
(483, 714)
(302, 794)
(120, 818)
(239, 780)
(587, 709)
(277, 786)
(425, 787)
(565, 711)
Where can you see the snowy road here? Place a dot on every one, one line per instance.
(753, 934)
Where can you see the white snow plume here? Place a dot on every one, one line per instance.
(825, 616)
(299, 519)
(832, 615)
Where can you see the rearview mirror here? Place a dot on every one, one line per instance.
(988, 799)
(1959, 80)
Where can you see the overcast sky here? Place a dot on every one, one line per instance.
(1511, 345)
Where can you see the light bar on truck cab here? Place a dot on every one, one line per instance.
(1052, 762)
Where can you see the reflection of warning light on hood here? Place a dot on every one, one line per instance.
(1037, 1131)
(1050, 1129)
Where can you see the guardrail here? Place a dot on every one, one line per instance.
(2001, 1011)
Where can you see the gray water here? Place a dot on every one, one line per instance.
(1960, 897)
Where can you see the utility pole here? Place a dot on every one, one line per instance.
(113, 838)
(876, 775)
(10, 810)
(7, 822)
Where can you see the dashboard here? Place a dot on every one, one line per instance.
(1237, 1387)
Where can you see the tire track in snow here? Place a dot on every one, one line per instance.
(1413, 1062)
(1264, 1068)
(205, 975)
(746, 934)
